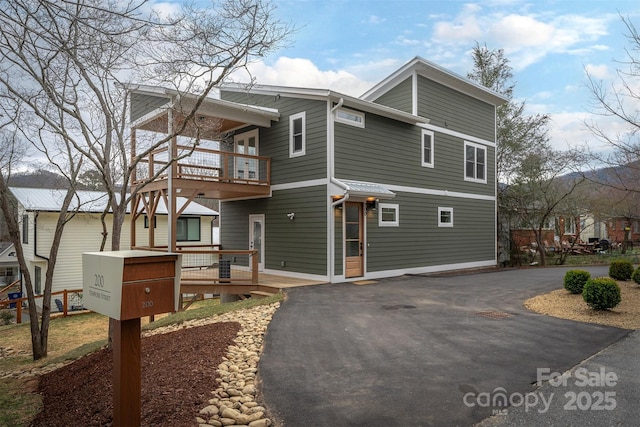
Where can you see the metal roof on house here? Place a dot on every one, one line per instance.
(340, 98)
(365, 189)
(50, 200)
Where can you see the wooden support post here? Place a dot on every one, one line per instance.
(65, 303)
(19, 311)
(126, 373)
(254, 268)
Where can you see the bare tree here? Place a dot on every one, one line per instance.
(541, 192)
(618, 102)
(66, 68)
(13, 149)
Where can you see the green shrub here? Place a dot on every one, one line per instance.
(636, 276)
(601, 293)
(574, 280)
(6, 316)
(621, 269)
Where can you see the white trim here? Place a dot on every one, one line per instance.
(428, 269)
(445, 224)
(303, 118)
(458, 135)
(300, 184)
(438, 74)
(350, 112)
(414, 92)
(476, 147)
(331, 96)
(396, 221)
(258, 218)
(432, 192)
(431, 149)
(295, 274)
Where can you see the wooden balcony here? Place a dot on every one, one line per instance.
(207, 173)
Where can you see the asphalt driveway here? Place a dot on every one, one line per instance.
(417, 351)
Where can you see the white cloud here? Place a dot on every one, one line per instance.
(298, 72)
(526, 37)
(598, 71)
(373, 19)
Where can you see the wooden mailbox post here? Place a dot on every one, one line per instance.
(128, 285)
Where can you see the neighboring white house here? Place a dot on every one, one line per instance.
(9, 267)
(38, 211)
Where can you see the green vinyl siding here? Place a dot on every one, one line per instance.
(274, 141)
(389, 152)
(143, 104)
(301, 243)
(448, 108)
(399, 97)
(419, 242)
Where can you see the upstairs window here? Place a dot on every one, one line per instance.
(475, 162)
(350, 117)
(297, 135)
(427, 148)
(25, 229)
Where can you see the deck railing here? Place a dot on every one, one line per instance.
(208, 165)
(67, 301)
(201, 264)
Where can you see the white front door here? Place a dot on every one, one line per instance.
(256, 237)
(247, 144)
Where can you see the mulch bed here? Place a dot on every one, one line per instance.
(178, 375)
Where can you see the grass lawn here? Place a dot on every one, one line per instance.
(73, 337)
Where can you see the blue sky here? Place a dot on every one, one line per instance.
(350, 45)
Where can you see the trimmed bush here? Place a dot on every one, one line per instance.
(621, 269)
(601, 293)
(574, 280)
(636, 276)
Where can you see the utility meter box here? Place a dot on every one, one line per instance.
(131, 284)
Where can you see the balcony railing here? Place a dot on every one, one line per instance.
(207, 165)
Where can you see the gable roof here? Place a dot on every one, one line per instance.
(438, 74)
(4, 247)
(50, 200)
(323, 94)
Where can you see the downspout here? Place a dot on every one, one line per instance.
(331, 173)
(35, 237)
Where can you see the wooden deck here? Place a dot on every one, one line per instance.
(207, 281)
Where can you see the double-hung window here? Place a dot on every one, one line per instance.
(475, 162)
(427, 148)
(297, 135)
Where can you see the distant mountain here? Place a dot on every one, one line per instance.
(38, 179)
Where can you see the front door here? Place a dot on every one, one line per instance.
(354, 239)
(247, 144)
(256, 237)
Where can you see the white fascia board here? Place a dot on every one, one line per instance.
(324, 94)
(438, 74)
(252, 114)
